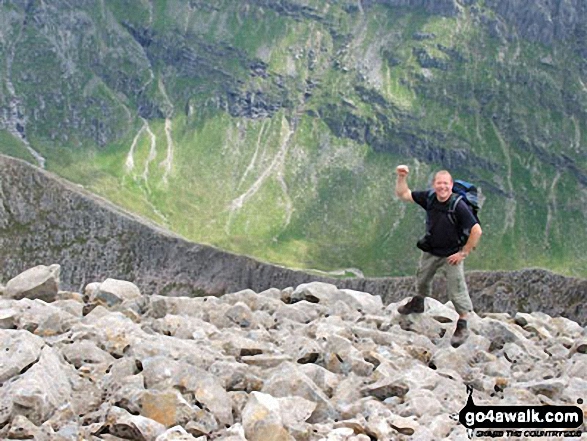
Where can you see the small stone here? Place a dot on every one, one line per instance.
(124, 425)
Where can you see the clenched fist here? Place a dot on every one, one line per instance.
(402, 170)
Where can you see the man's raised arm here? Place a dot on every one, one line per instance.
(401, 186)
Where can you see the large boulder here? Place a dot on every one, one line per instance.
(19, 350)
(40, 282)
(112, 292)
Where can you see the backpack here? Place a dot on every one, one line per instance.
(467, 192)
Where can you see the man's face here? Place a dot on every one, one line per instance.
(442, 186)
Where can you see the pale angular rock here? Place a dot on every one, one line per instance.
(421, 402)
(112, 292)
(40, 317)
(91, 289)
(239, 401)
(115, 332)
(378, 419)
(266, 361)
(198, 307)
(346, 396)
(515, 395)
(316, 292)
(168, 407)
(301, 348)
(241, 315)
(323, 378)
(500, 332)
(286, 294)
(22, 428)
(564, 326)
(385, 388)
(272, 293)
(361, 301)
(262, 419)
(301, 312)
(574, 392)
(185, 327)
(162, 373)
(497, 368)
(124, 425)
(176, 433)
(424, 325)
(40, 282)
(143, 346)
(233, 433)
(557, 351)
(287, 380)
(84, 352)
(8, 317)
(217, 316)
(419, 376)
(74, 307)
(441, 426)
(551, 388)
(577, 367)
(235, 376)
(203, 424)
(447, 359)
(377, 336)
(43, 389)
(404, 425)
(268, 301)
(340, 356)
(57, 322)
(19, 350)
(332, 325)
(295, 410)
(441, 312)
(580, 346)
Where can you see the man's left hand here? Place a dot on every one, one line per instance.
(456, 258)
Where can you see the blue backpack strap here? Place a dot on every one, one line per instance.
(454, 201)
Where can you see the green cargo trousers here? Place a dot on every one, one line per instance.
(455, 280)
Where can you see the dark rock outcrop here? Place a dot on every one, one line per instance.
(46, 220)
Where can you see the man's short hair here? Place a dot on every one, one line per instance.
(442, 172)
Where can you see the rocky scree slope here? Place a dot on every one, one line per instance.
(307, 363)
(271, 128)
(44, 219)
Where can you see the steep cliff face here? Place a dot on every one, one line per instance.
(272, 128)
(46, 220)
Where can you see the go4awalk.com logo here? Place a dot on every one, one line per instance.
(521, 421)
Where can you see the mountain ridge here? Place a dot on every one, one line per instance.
(46, 220)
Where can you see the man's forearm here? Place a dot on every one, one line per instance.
(473, 240)
(402, 190)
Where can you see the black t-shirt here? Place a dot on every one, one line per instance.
(444, 235)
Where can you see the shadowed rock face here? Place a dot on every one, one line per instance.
(47, 220)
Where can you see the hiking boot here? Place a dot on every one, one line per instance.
(461, 334)
(414, 306)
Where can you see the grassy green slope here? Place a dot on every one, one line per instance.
(343, 98)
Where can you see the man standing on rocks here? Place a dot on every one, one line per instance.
(442, 248)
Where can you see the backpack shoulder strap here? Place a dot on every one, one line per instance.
(430, 198)
(452, 207)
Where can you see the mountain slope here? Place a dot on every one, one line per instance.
(45, 219)
(272, 128)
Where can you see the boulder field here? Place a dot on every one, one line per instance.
(312, 362)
